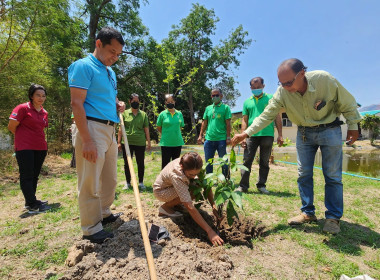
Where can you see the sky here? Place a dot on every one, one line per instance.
(339, 36)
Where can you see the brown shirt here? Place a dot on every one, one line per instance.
(172, 176)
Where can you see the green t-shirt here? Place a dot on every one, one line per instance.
(171, 128)
(216, 116)
(134, 127)
(253, 107)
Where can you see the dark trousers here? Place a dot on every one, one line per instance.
(29, 164)
(169, 153)
(139, 152)
(265, 143)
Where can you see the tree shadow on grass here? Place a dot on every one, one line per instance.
(54, 208)
(348, 241)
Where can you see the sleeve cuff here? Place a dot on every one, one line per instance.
(353, 126)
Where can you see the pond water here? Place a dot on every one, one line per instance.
(367, 164)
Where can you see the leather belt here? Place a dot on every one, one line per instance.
(336, 122)
(100, 120)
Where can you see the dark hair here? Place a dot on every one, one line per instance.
(217, 89)
(295, 64)
(191, 161)
(32, 90)
(133, 95)
(106, 34)
(261, 80)
(167, 96)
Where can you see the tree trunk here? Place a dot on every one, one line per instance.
(191, 111)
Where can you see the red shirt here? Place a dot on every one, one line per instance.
(30, 133)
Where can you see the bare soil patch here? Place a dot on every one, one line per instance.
(187, 255)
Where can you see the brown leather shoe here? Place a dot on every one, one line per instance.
(301, 219)
(332, 226)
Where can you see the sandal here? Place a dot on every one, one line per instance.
(162, 212)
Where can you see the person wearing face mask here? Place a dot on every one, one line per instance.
(169, 124)
(172, 188)
(217, 124)
(137, 130)
(313, 101)
(252, 108)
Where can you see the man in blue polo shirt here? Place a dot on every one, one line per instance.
(94, 102)
(252, 108)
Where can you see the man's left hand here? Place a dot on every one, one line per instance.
(228, 141)
(280, 141)
(352, 136)
(120, 106)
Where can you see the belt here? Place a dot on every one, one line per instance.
(100, 120)
(336, 122)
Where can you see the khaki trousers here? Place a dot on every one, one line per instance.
(96, 181)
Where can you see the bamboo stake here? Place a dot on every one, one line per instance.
(144, 232)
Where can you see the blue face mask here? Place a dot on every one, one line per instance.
(257, 92)
(216, 99)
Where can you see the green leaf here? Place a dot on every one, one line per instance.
(237, 196)
(209, 175)
(232, 156)
(241, 166)
(225, 157)
(231, 212)
(222, 197)
(221, 177)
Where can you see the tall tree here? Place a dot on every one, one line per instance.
(122, 14)
(197, 63)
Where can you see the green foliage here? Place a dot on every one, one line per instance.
(372, 123)
(225, 194)
(287, 142)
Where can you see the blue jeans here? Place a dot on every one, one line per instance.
(329, 140)
(210, 148)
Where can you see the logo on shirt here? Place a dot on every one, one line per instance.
(14, 114)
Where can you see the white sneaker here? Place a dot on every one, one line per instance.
(263, 190)
(142, 187)
(126, 186)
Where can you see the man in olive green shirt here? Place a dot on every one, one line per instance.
(217, 121)
(313, 101)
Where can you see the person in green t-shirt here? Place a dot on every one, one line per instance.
(169, 124)
(137, 130)
(252, 108)
(217, 122)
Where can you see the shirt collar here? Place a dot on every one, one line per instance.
(258, 97)
(168, 112)
(310, 86)
(220, 104)
(30, 106)
(96, 61)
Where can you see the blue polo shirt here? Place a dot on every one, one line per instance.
(100, 82)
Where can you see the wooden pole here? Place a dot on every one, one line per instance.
(144, 231)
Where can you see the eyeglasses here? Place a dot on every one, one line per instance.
(289, 83)
(215, 95)
(113, 83)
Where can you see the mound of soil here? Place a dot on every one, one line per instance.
(187, 255)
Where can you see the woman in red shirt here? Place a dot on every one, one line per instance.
(27, 122)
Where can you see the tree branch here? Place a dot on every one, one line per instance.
(9, 34)
(22, 42)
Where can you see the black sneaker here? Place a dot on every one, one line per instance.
(38, 209)
(38, 202)
(111, 218)
(99, 237)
